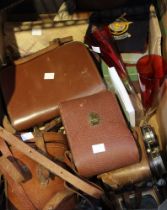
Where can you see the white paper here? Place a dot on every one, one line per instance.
(36, 31)
(49, 76)
(97, 148)
(96, 49)
(27, 136)
(123, 96)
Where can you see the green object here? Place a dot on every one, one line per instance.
(106, 76)
(132, 72)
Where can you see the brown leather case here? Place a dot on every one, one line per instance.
(37, 191)
(31, 99)
(97, 134)
(130, 174)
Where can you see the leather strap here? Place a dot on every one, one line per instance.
(51, 137)
(40, 143)
(63, 40)
(52, 124)
(51, 166)
(16, 187)
(68, 160)
(42, 173)
(7, 125)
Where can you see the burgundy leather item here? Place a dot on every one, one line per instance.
(31, 99)
(97, 134)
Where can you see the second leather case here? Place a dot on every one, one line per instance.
(97, 133)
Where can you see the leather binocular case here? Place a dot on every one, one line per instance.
(130, 174)
(97, 134)
(65, 72)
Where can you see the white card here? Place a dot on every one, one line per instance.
(98, 148)
(36, 31)
(123, 96)
(96, 49)
(49, 76)
(27, 136)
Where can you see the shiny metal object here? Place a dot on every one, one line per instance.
(156, 158)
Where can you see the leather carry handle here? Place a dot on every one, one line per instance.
(50, 165)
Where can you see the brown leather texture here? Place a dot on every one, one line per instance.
(97, 134)
(30, 99)
(130, 174)
(38, 193)
(55, 168)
